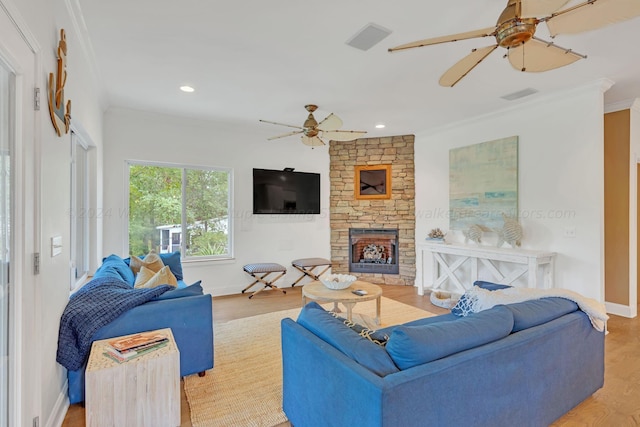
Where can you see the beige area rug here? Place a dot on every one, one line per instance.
(245, 386)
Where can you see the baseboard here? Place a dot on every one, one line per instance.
(621, 310)
(56, 418)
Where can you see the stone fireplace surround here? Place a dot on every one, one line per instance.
(398, 212)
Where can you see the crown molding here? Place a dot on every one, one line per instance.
(18, 21)
(82, 37)
(602, 85)
(627, 104)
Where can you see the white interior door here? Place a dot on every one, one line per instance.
(6, 107)
(19, 399)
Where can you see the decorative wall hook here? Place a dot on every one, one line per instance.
(61, 120)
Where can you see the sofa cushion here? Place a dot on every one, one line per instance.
(532, 313)
(410, 346)
(149, 279)
(188, 291)
(322, 324)
(463, 308)
(114, 266)
(151, 261)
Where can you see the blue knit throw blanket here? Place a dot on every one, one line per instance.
(95, 305)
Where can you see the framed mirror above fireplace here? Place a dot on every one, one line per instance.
(372, 182)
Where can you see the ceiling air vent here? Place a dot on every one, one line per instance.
(519, 94)
(369, 36)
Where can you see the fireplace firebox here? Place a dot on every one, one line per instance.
(373, 251)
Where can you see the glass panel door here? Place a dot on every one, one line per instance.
(6, 83)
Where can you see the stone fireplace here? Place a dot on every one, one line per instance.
(373, 250)
(395, 213)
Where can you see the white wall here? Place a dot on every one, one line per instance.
(43, 380)
(135, 135)
(561, 179)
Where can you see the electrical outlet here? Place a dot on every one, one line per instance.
(570, 232)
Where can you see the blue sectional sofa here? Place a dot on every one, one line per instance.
(186, 310)
(523, 364)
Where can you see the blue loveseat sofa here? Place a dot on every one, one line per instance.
(185, 309)
(523, 364)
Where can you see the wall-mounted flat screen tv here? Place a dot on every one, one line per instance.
(285, 192)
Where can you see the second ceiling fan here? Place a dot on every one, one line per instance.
(515, 31)
(314, 132)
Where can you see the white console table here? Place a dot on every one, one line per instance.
(521, 262)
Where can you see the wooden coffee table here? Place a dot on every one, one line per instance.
(320, 293)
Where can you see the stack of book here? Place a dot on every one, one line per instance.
(127, 348)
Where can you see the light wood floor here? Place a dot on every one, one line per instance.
(616, 404)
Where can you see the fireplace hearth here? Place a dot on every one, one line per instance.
(373, 251)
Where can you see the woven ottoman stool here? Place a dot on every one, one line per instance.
(307, 265)
(260, 272)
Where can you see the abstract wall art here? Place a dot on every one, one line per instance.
(483, 183)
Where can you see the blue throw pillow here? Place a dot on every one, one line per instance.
(114, 264)
(191, 290)
(326, 327)
(462, 307)
(410, 346)
(175, 264)
(171, 259)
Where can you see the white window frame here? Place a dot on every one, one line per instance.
(79, 215)
(183, 253)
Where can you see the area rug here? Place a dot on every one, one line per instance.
(245, 386)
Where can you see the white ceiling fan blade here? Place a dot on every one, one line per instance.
(285, 135)
(313, 141)
(535, 8)
(331, 122)
(450, 38)
(461, 68)
(591, 15)
(281, 124)
(538, 55)
(343, 135)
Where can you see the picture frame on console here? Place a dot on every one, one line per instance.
(372, 182)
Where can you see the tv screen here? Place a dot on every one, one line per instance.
(284, 192)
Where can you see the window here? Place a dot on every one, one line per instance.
(173, 207)
(79, 209)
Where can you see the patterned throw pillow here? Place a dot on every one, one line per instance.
(151, 261)
(464, 307)
(370, 334)
(149, 279)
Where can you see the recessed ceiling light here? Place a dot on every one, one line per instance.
(380, 126)
(186, 88)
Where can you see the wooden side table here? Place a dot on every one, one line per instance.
(319, 292)
(144, 391)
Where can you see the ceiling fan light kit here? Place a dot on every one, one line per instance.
(515, 31)
(313, 132)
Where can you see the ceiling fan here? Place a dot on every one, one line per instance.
(515, 31)
(313, 132)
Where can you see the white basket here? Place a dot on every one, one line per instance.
(443, 299)
(337, 281)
